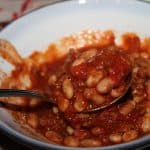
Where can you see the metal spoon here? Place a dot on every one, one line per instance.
(24, 93)
(35, 94)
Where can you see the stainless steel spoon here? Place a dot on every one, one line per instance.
(35, 94)
(24, 93)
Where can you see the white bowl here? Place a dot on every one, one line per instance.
(37, 29)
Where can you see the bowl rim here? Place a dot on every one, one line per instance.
(34, 143)
(30, 142)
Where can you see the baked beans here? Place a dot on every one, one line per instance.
(87, 76)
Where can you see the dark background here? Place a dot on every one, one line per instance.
(7, 144)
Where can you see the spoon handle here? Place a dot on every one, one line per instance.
(22, 93)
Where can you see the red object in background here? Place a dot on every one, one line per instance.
(23, 8)
(15, 15)
(25, 5)
(12, 9)
(2, 25)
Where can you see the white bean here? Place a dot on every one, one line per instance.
(78, 62)
(88, 54)
(52, 79)
(67, 88)
(117, 91)
(63, 104)
(92, 95)
(146, 123)
(94, 78)
(115, 138)
(105, 85)
(15, 101)
(33, 120)
(70, 130)
(9, 52)
(127, 107)
(79, 104)
(98, 99)
(135, 69)
(71, 141)
(129, 135)
(3, 75)
(138, 99)
(55, 110)
(90, 143)
(53, 136)
(25, 80)
(34, 102)
(84, 57)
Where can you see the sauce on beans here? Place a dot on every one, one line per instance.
(86, 78)
(90, 74)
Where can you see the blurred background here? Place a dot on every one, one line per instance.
(12, 9)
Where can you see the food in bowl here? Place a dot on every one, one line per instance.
(79, 72)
